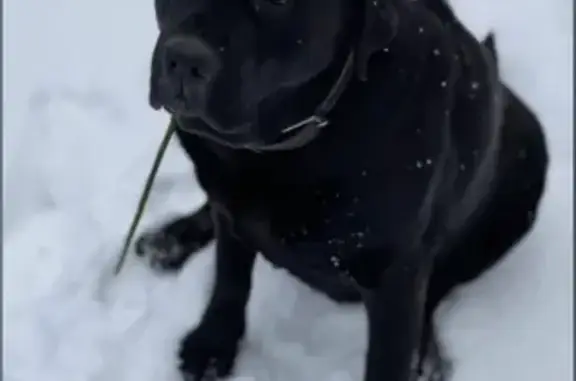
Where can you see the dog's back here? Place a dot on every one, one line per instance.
(513, 183)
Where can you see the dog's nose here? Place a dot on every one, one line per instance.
(190, 61)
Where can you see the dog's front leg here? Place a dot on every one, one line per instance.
(210, 350)
(395, 310)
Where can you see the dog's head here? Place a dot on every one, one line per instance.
(241, 71)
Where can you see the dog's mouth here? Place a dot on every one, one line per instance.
(194, 118)
(202, 117)
(201, 124)
(242, 137)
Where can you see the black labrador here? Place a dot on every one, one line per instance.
(368, 147)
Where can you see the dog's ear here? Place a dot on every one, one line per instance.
(490, 44)
(379, 28)
(161, 8)
(154, 86)
(170, 13)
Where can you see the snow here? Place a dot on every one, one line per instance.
(75, 90)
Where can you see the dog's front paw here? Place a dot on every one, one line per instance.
(163, 251)
(168, 248)
(208, 354)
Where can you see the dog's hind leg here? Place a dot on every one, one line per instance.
(168, 247)
(509, 217)
(507, 221)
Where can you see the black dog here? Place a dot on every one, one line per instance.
(368, 147)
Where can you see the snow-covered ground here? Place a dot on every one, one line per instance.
(79, 139)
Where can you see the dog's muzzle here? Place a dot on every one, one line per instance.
(189, 65)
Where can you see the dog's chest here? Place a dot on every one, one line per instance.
(303, 200)
(314, 227)
(324, 216)
(315, 219)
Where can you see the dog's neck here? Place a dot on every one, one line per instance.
(335, 80)
(303, 132)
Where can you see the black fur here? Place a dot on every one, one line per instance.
(429, 172)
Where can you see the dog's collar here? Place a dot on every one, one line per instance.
(306, 130)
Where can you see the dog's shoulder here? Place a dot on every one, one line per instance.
(476, 118)
(432, 117)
